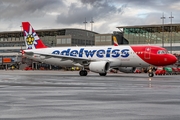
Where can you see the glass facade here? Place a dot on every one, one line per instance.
(167, 35)
(50, 37)
(103, 39)
(107, 39)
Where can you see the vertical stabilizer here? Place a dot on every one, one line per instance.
(32, 40)
(115, 41)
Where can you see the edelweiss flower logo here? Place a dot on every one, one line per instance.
(31, 38)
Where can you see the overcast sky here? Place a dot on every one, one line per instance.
(106, 14)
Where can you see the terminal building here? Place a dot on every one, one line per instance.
(167, 35)
(11, 42)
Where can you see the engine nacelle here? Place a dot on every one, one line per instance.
(127, 69)
(99, 66)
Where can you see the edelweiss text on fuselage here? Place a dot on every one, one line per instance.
(100, 53)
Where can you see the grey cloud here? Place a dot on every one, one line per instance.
(105, 13)
(99, 10)
(147, 2)
(15, 9)
(92, 2)
(161, 5)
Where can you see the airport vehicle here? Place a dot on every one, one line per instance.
(168, 70)
(97, 58)
(137, 70)
(160, 71)
(175, 70)
(178, 68)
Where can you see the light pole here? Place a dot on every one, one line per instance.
(21, 46)
(163, 29)
(92, 24)
(85, 22)
(21, 32)
(171, 17)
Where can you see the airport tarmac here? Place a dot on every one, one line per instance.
(61, 95)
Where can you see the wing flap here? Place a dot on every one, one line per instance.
(29, 53)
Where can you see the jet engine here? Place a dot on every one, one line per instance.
(99, 66)
(127, 69)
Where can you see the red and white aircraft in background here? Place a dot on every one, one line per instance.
(123, 69)
(115, 41)
(98, 59)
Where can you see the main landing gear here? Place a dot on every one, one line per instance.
(83, 73)
(102, 74)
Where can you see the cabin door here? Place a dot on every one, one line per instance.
(147, 52)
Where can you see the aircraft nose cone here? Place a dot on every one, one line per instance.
(173, 59)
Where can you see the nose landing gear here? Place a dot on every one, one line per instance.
(150, 73)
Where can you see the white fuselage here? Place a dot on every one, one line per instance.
(117, 56)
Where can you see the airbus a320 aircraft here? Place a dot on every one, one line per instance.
(97, 58)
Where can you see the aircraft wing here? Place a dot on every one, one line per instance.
(64, 57)
(29, 53)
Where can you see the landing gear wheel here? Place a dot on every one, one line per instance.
(102, 74)
(151, 74)
(83, 73)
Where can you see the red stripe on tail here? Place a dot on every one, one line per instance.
(32, 40)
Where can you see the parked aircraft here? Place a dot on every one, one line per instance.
(97, 58)
(115, 41)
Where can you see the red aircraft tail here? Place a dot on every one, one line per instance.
(31, 38)
(115, 41)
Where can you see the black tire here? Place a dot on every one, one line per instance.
(102, 74)
(83, 73)
(145, 71)
(151, 74)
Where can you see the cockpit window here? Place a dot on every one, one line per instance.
(162, 52)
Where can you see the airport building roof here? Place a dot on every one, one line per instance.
(41, 30)
(153, 28)
(150, 26)
(45, 31)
